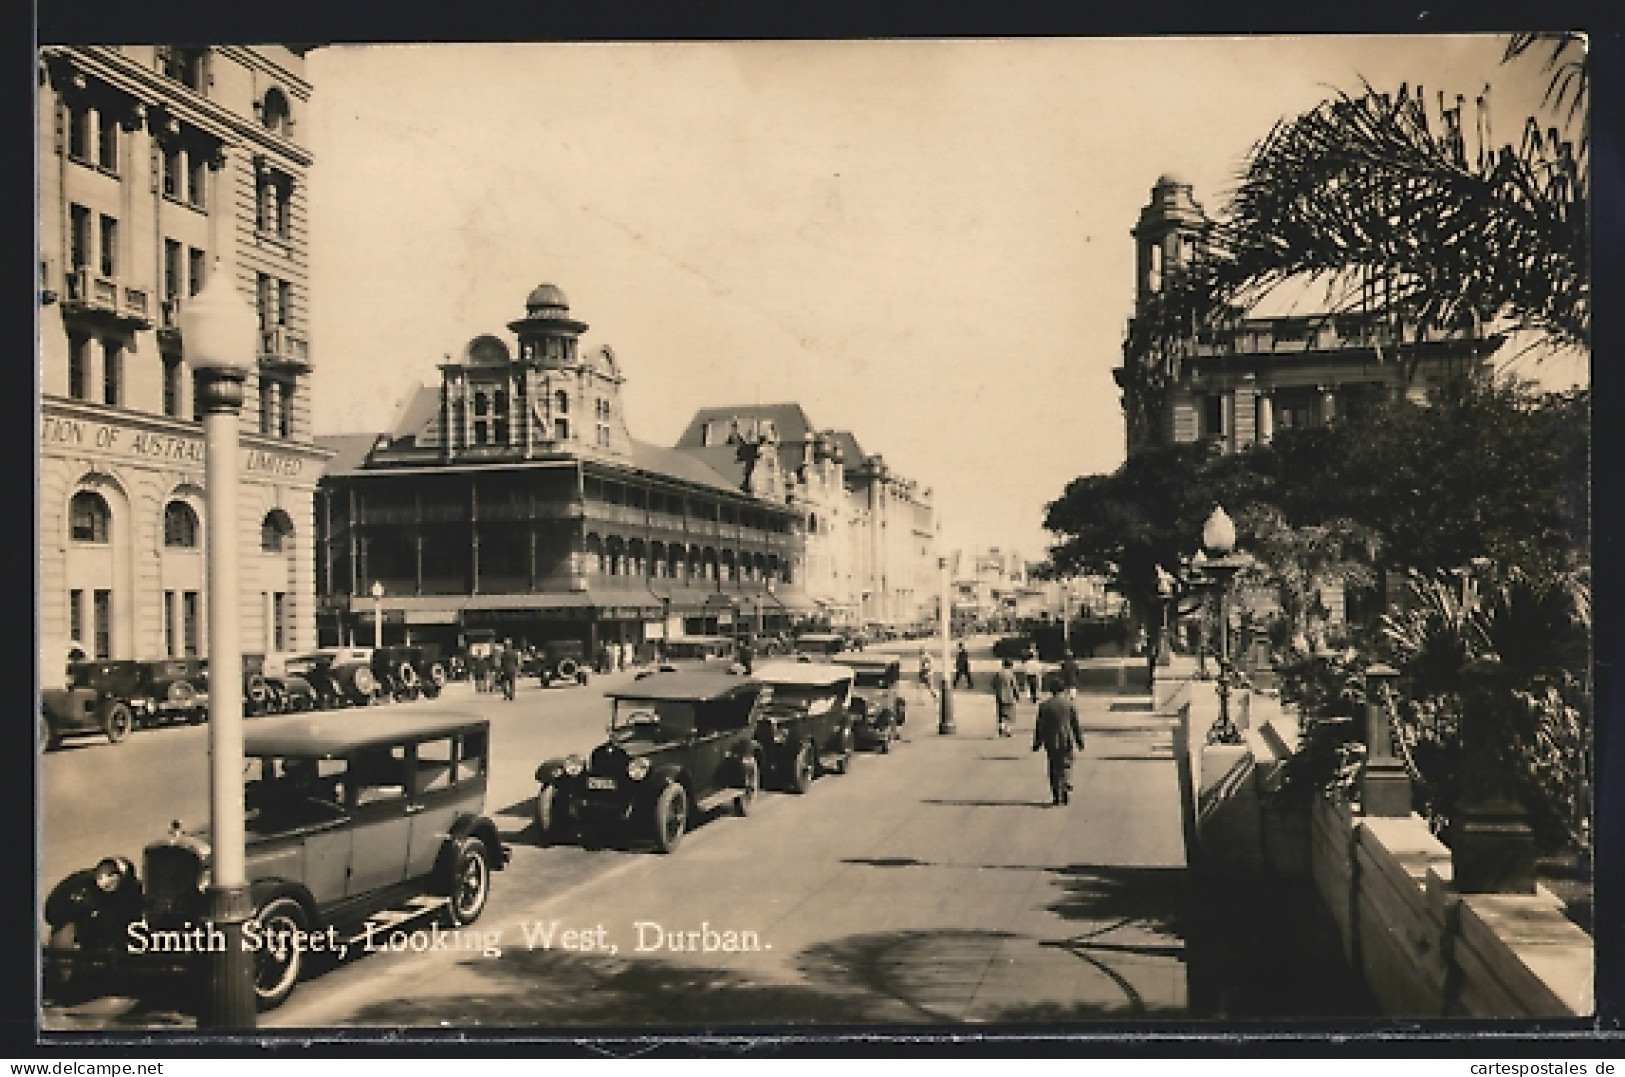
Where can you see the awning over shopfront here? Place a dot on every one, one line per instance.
(447, 609)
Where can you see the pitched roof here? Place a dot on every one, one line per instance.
(788, 419)
(681, 464)
(851, 452)
(417, 412)
(349, 451)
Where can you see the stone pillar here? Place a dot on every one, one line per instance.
(1385, 787)
(1492, 848)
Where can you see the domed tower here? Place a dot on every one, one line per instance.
(1166, 236)
(573, 400)
(547, 334)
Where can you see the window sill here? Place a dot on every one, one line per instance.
(181, 203)
(262, 235)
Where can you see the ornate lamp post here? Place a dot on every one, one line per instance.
(1221, 564)
(377, 615)
(1200, 580)
(945, 724)
(220, 335)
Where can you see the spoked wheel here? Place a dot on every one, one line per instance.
(552, 815)
(671, 817)
(470, 881)
(746, 798)
(843, 765)
(805, 768)
(277, 968)
(118, 723)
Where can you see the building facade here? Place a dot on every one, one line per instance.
(512, 497)
(157, 166)
(1239, 380)
(870, 550)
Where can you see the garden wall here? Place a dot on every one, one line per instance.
(1422, 949)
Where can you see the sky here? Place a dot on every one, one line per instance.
(924, 242)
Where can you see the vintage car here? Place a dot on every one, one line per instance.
(407, 671)
(340, 676)
(1014, 648)
(94, 700)
(820, 644)
(878, 707)
(679, 744)
(710, 652)
(561, 660)
(357, 828)
(268, 687)
(170, 690)
(804, 729)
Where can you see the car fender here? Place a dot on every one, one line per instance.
(471, 826)
(551, 772)
(263, 891)
(77, 900)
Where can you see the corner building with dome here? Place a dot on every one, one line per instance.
(512, 498)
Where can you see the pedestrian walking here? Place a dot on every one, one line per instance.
(510, 670)
(1034, 670)
(925, 674)
(1071, 675)
(1057, 732)
(962, 667)
(1006, 694)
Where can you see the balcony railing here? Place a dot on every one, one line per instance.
(279, 346)
(90, 293)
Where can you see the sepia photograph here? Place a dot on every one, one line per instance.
(821, 537)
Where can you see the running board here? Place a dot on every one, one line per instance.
(386, 920)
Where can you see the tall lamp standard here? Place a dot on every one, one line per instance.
(220, 335)
(1221, 565)
(377, 615)
(945, 723)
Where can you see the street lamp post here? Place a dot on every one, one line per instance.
(220, 335)
(377, 615)
(1221, 564)
(945, 723)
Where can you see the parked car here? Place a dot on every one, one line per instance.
(562, 660)
(804, 729)
(1014, 648)
(95, 700)
(369, 826)
(407, 671)
(712, 652)
(268, 687)
(170, 690)
(679, 744)
(878, 706)
(340, 676)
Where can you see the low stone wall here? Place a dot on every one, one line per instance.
(1422, 949)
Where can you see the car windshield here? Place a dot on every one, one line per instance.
(800, 699)
(873, 678)
(652, 718)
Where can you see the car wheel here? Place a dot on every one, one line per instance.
(470, 883)
(45, 735)
(804, 769)
(671, 817)
(746, 799)
(582, 678)
(843, 765)
(277, 971)
(552, 815)
(118, 723)
(363, 681)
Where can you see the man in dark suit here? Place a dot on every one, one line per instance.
(1071, 678)
(1057, 732)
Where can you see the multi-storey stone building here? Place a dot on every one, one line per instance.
(870, 554)
(157, 166)
(1239, 381)
(513, 497)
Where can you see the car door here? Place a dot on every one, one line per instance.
(717, 729)
(446, 783)
(382, 830)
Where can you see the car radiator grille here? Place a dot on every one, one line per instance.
(172, 873)
(608, 761)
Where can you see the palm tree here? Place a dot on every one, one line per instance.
(1406, 204)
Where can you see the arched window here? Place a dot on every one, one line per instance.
(276, 530)
(275, 113)
(89, 517)
(180, 525)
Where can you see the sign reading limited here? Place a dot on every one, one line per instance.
(57, 432)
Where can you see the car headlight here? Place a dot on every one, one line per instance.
(573, 765)
(112, 872)
(780, 734)
(638, 769)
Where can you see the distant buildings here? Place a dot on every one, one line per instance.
(154, 162)
(1238, 382)
(871, 534)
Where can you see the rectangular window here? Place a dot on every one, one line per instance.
(172, 171)
(191, 612)
(284, 211)
(279, 620)
(170, 639)
(112, 373)
(79, 367)
(263, 298)
(78, 118)
(106, 141)
(284, 411)
(102, 622)
(197, 178)
(197, 270)
(1213, 415)
(173, 395)
(284, 301)
(109, 249)
(79, 236)
(76, 615)
(267, 405)
(172, 269)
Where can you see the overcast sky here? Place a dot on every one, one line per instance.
(926, 243)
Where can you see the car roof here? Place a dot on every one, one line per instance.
(876, 662)
(701, 639)
(335, 733)
(823, 636)
(696, 685)
(801, 672)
